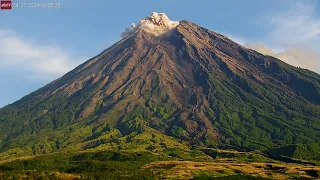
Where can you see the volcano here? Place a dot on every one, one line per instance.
(168, 84)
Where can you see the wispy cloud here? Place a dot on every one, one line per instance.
(298, 25)
(298, 56)
(40, 61)
(294, 36)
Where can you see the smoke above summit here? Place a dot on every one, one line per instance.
(156, 24)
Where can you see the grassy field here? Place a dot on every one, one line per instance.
(190, 169)
(172, 164)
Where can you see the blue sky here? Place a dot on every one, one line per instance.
(38, 45)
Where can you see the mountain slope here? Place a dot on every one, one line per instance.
(188, 86)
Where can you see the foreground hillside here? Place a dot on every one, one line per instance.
(221, 164)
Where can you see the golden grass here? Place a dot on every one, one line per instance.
(65, 176)
(186, 169)
(17, 158)
(43, 175)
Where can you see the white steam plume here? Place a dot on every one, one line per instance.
(156, 24)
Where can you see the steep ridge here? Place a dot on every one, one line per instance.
(189, 85)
